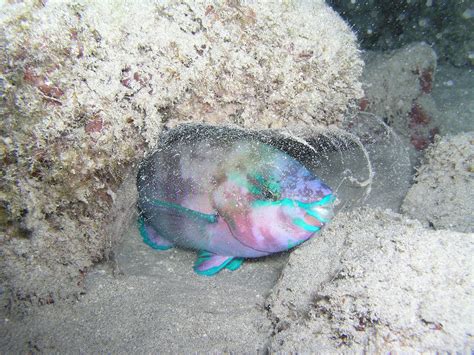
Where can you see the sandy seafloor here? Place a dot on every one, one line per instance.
(155, 303)
(150, 302)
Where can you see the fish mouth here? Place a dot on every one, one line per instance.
(312, 221)
(318, 216)
(315, 218)
(321, 212)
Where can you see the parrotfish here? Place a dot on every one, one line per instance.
(229, 201)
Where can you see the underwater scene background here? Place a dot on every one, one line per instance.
(373, 101)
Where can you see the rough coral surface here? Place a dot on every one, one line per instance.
(376, 282)
(88, 86)
(444, 185)
(398, 87)
(393, 81)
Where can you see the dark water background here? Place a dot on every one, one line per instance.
(447, 25)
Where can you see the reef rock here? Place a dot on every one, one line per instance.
(398, 86)
(376, 282)
(443, 193)
(87, 87)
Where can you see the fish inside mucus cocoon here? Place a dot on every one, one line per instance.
(229, 199)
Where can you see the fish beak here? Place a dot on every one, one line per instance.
(317, 214)
(321, 212)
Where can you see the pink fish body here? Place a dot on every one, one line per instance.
(229, 200)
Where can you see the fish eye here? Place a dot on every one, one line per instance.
(269, 190)
(268, 194)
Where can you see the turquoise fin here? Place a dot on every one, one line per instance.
(178, 210)
(151, 237)
(209, 264)
(234, 264)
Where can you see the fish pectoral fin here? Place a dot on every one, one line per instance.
(178, 211)
(209, 264)
(151, 237)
